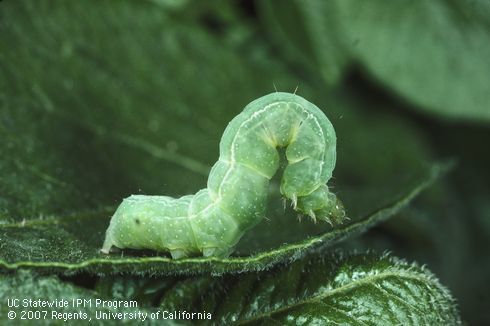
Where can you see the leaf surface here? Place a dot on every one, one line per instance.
(47, 300)
(361, 289)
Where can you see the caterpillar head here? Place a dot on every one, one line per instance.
(321, 205)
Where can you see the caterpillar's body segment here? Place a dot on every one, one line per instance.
(213, 220)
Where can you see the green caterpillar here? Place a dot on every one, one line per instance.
(213, 220)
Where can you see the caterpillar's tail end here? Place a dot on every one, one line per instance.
(106, 249)
(108, 243)
(322, 205)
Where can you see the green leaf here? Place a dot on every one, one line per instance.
(356, 289)
(28, 287)
(64, 249)
(433, 53)
(91, 115)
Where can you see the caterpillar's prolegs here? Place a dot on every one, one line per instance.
(177, 253)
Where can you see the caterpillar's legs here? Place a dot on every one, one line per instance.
(178, 253)
(216, 252)
(311, 214)
(294, 201)
(206, 252)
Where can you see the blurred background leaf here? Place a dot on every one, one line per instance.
(433, 54)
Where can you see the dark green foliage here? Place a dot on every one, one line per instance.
(26, 285)
(319, 289)
(433, 53)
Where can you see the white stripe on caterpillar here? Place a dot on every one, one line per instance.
(213, 220)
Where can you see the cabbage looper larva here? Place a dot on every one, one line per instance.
(213, 220)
